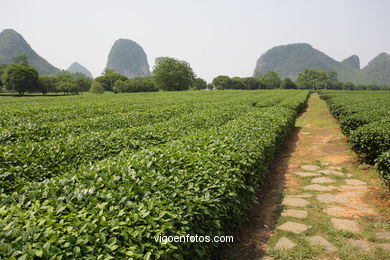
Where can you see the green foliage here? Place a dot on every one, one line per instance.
(382, 164)
(13, 44)
(100, 177)
(364, 117)
(292, 59)
(82, 81)
(199, 84)
(126, 57)
(270, 80)
(47, 84)
(108, 79)
(287, 83)
(171, 74)
(312, 79)
(2, 69)
(224, 82)
(139, 84)
(20, 77)
(372, 139)
(96, 88)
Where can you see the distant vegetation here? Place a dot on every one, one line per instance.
(13, 44)
(308, 79)
(128, 58)
(169, 74)
(20, 77)
(292, 59)
(78, 68)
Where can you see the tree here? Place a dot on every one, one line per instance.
(47, 84)
(287, 83)
(312, 79)
(82, 81)
(109, 78)
(171, 74)
(20, 77)
(68, 87)
(2, 69)
(199, 84)
(271, 80)
(251, 83)
(348, 86)
(96, 88)
(119, 86)
(138, 84)
(222, 82)
(108, 71)
(332, 75)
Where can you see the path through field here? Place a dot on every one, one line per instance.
(319, 202)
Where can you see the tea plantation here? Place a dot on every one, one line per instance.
(98, 177)
(364, 117)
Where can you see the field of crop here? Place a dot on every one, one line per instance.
(364, 116)
(99, 177)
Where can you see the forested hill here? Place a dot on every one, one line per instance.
(13, 44)
(78, 68)
(290, 60)
(128, 58)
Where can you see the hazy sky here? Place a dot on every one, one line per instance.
(216, 37)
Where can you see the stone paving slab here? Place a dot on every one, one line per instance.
(295, 213)
(307, 174)
(334, 210)
(345, 224)
(362, 244)
(330, 198)
(331, 172)
(355, 182)
(309, 167)
(284, 243)
(352, 187)
(302, 195)
(322, 180)
(295, 202)
(383, 235)
(319, 240)
(352, 194)
(317, 187)
(294, 227)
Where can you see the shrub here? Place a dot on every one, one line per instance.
(96, 88)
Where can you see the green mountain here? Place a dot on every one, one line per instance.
(378, 69)
(77, 67)
(13, 44)
(292, 59)
(128, 58)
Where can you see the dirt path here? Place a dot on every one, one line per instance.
(319, 202)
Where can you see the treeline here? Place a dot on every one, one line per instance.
(169, 74)
(309, 79)
(20, 77)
